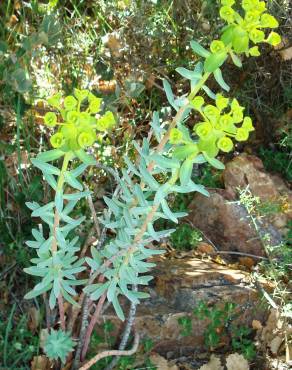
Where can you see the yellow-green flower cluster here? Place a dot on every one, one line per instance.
(220, 125)
(243, 32)
(248, 27)
(78, 126)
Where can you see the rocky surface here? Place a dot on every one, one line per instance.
(178, 286)
(227, 224)
(248, 170)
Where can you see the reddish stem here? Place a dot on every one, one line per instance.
(91, 325)
(61, 311)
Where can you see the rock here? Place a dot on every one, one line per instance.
(213, 364)
(205, 248)
(235, 361)
(178, 286)
(248, 170)
(161, 363)
(228, 224)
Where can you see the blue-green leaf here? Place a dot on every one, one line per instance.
(34, 293)
(219, 78)
(190, 75)
(50, 155)
(162, 193)
(165, 162)
(85, 158)
(45, 246)
(167, 211)
(185, 172)
(112, 206)
(198, 49)
(209, 92)
(59, 201)
(79, 170)
(99, 291)
(236, 60)
(32, 205)
(45, 167)
(146, 177)
(111, 292)
(72, 181)
(214, 162)
(118, 308)
(43, 210)
(169, 94)
(50, 179)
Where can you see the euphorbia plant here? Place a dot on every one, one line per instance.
(118, 267)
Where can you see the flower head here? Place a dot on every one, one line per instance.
(70, 102)
(50, 119)
(225, 144)
(86, 138)
(57, 140)
(175, 136)
(274, 39)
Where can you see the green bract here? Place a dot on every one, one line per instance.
(219, 127)
(274, 39)
(57, 140)
(50, 119)
(225, 144)
(70, 102)
(241, 30)
(175, 136)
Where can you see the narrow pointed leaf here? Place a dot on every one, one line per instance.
(45, 167)
(85, 158)
(185, 172)
(198, 49)
(219, 78)
(50, 155)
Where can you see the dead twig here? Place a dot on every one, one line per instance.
(108, 353)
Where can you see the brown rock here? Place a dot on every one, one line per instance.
(235, 361)
(205, 248)
(178, 286)
(248, 170)
(228, 224)
(247, 262)
(161, 363)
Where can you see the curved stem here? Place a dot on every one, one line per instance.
(108, 353)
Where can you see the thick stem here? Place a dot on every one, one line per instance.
(61, 311)
(84, 323)
(60, 184)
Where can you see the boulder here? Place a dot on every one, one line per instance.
(248, 170)
(178, 286)
(227, 223)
